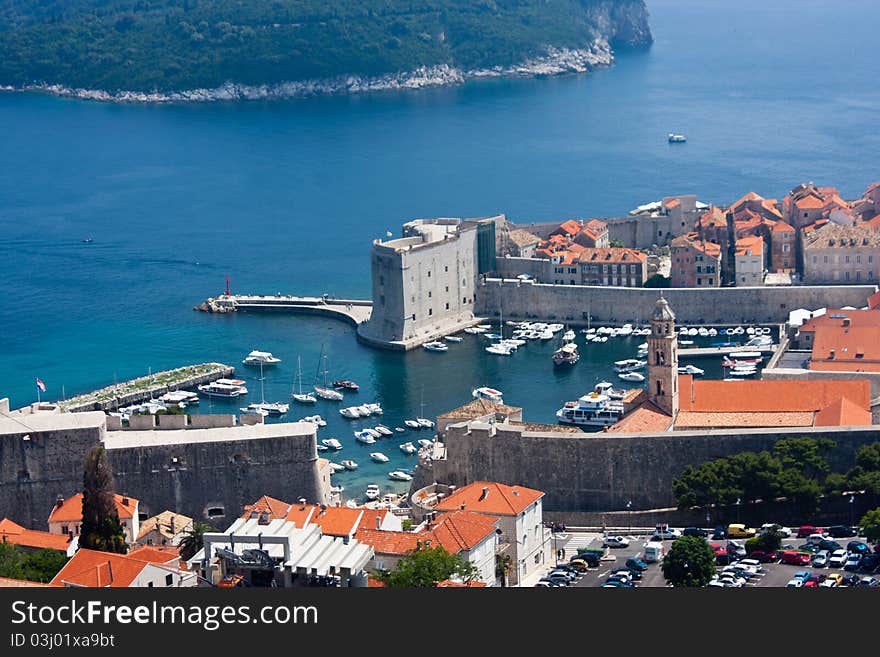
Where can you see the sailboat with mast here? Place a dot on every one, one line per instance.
(503, 347)
(325, 391)
(263, 407)
(299, 395)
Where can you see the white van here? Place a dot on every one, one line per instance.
(654, 551)
(816, 539)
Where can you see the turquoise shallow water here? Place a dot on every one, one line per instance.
(287, 196)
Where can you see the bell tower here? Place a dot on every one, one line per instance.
(663, 359)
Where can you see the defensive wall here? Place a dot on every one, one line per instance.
(602, 471)
(189, 470)
(527, 300)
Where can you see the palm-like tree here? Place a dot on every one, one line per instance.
(193, 540)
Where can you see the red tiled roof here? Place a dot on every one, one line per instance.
(647, 418)
(455, 531)
(611, 255)
(337, 520)
(843, 413)
(155, 553)
(491, 497)
(673, 203)
(688, 420)
(810, 202)
(15, 534)
(571, 227)
(275, 508)
(100, 569)
(707, 396)
(750, 246)
(596, 225)
(448, 583)
(371, 517)
(782, 227)
(71, 509)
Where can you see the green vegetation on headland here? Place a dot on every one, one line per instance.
(171, 45)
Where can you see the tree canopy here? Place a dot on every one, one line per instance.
(424, 567)
(690, 562)
(871, 524)
(101, 528)
(38, 566)
(193, 540)
(168, 45)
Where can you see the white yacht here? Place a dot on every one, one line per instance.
(271, 408)
(299, 395)
(501, 349)
(629, 365)
(247, 410)
(756, 341)
(331, 443)
(488, 393)
(474, 330)
(412, 424)
(315, 419)
(399, 475)
(378, 457)
(350, 465)
(436, 346)
(567, 354)
(336, 467)
(325, 391)
(224, 388)
(408, 448)
(424, 442)
(591, 410)
(691, 369)
(676, 139)
(373, 433)
(605, 388)
(372, 492)
(425, 422)
(261, 358)
(453, 338)
(375, 409)
(364, 410)
(632, 376)
(180, 397)
(383, 430)
(555, 328)
(351, 412)
(568, 336)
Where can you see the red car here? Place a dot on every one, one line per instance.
(804, 531)
(811, 584)
(765, 557)
(795, 558)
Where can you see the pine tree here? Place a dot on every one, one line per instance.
(101, 528)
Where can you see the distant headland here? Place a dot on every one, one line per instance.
(215, 50)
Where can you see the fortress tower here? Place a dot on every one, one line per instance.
(663, 359)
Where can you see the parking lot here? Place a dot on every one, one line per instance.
(771, 575)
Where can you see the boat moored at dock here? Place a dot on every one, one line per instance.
(224, 388)
(591, 410)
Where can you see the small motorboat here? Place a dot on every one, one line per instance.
(629, 365)
(321, 448)
(336, 467)
(315, 419)
(684, 343)
(424, 442)
(351, 412)
(436, 346)
(632, 376)
(567, 354)
(693, 370)
(337, 489)
(399, 429)
(485, 327)
(674, 138)
(350, 465)
(473, 330)
(375, 409)
(373, 433)
(364, 437)
(425, 422)
(248, 410)
(568, 336)
(491, 394)
(492, 336)
(605, 388)
(261, 358)
(500, 349)
(383, 430)
(364, 410)
(87, 240)
(412, 424)
(346, 384)
(453, 338)
(378, 457)
(328, 393)
(399, 475)
(331, 443)
(372, 492)
(408, 448)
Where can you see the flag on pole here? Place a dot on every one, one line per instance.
(41, 385)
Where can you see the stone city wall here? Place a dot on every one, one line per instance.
(526, 300)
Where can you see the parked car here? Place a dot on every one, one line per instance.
(820, 559)
(570, 576)
(795, 583)
(738, 530)
(842, 531)
(805, 530)
(625, 573)
(850, 580)
(836, 578)
(870, 563)
(558, 580)
(618, 583)
(694, 531)
(828, 544)
(811, 584)
(736, 549)
(615, 542)
(666, 534)
(543, 584)
(785, 532)
(869, 581)
(837, 559)
(579, 565)
(719, 534)
(590, 558)
(858, 546)
(634, 563)
(731, 579)
(765, 557)
(803, 574)
(794, 558)
(853, 561)
(751, 563)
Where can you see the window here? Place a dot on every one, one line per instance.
(169, 579)
(699, 269)
(699, 281)
(659, 389)
(846, 275)
(447, 288)
(870, 274)
(429, 273)
(786, 248)
(825, 259)
(847, 258)
(858, 275)
(859, 259)
(430, 311)
(870, 259)
(413, 317)
(149, 585)
(464, 299)
(815, 259)
(446, 268)
(429, 294)
(447, 305)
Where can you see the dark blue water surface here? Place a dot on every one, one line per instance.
(286, 196)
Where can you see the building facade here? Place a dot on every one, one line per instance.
(749, 261)
(836, 254)
(613, 266)
(695, 262)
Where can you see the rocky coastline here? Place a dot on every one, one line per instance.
(555, 61)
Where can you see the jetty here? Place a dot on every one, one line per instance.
(353, 311)
(147, 387)
(723, 351)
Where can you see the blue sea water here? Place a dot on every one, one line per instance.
(286, 196)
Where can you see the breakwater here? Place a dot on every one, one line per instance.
(354, 311)
(147, 387)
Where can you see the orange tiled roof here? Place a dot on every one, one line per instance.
(570, 227)
(770, 206)
(688, 420)
(71, 509)
(752, 245)
(707, 396)
(155, 553)
(491, 497)
(782, 227)
(370, 517)
(11, 532)
(455, 531)
(275, 508)
(712, 217)
(843, 413)
(448, 583)
(847, 348)
(337, 520)
(6, 582)
(810, 202)
(673, 203)
(611, 255)
(751, 196)
(100, 569)
(647, 418)
(596, 225)
(873, 222)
